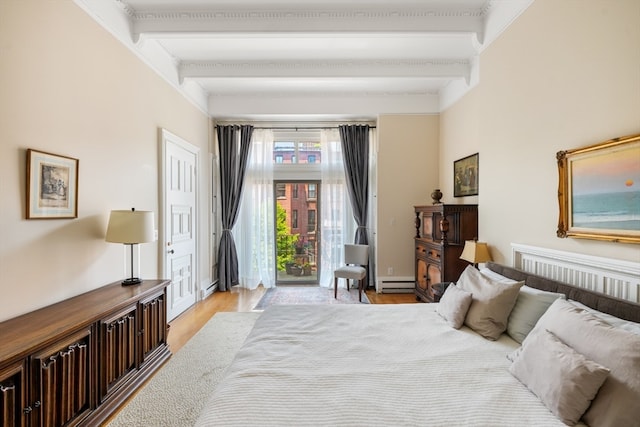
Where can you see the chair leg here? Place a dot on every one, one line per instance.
(335, 288)
(360, 286)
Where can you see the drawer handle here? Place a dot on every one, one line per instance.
(29, 409)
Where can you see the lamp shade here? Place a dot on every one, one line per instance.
(475, 252)
(130, 227)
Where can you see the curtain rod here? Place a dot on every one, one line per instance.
(296, 128)
(305, 127)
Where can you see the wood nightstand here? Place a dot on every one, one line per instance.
(438, 290)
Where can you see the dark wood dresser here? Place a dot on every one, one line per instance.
(74, 362)
(441, 231)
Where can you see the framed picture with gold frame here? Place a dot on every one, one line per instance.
(599, 191)
(52, 186)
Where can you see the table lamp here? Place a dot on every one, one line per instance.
(130, 227)
(475, 252)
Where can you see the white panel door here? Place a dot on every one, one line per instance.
(180, 219)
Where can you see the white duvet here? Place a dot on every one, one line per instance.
(370, 365)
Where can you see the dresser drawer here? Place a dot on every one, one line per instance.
(421, 250)
(427, 251)
(433, 254)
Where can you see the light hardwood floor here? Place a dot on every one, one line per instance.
(188, 323)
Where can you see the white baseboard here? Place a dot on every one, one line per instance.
(395, 285)
(207, 289)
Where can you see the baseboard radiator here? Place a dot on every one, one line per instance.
(617, 278)
(395, 285)
(208, 289)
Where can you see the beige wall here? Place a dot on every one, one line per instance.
(407, 164)
(69, 87)
(565, 74)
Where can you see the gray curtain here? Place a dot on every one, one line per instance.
(233, 146)
(355, 154)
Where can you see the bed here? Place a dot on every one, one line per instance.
(406, 364)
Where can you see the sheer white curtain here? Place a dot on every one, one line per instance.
(254, 232)
(372, 220)
(337, 223)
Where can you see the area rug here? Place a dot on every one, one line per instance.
(175, 395)
(308, 295)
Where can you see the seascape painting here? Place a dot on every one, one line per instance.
(606, 190)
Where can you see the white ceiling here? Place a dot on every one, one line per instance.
(258, 59)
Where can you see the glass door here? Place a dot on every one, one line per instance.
(297, 237)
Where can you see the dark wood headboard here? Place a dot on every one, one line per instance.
(623, 309)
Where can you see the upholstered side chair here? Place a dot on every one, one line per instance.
(356, 258)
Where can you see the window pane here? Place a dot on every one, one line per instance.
(286, 150)
(281, 190)
(309, 152)
(311, 192)
(311, 222)
(297, 240)
(290, 152)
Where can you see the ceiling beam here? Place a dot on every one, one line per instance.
(345, 19)
(327, 68)
(367, 105)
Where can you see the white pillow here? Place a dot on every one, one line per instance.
(530, 306)
(496, 276)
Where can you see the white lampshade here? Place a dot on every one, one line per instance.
(475, 252)
(130, 227)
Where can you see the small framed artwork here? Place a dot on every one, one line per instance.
(52, 185)
(465, 176)
(599, 191)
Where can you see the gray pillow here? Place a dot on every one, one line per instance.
(614, 321)
(563, 379)
(453, 305)
(530, 306)
(491, 304)
(616, 404)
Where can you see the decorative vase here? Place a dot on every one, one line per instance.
(436, 195)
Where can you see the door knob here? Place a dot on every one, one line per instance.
(171, 251)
